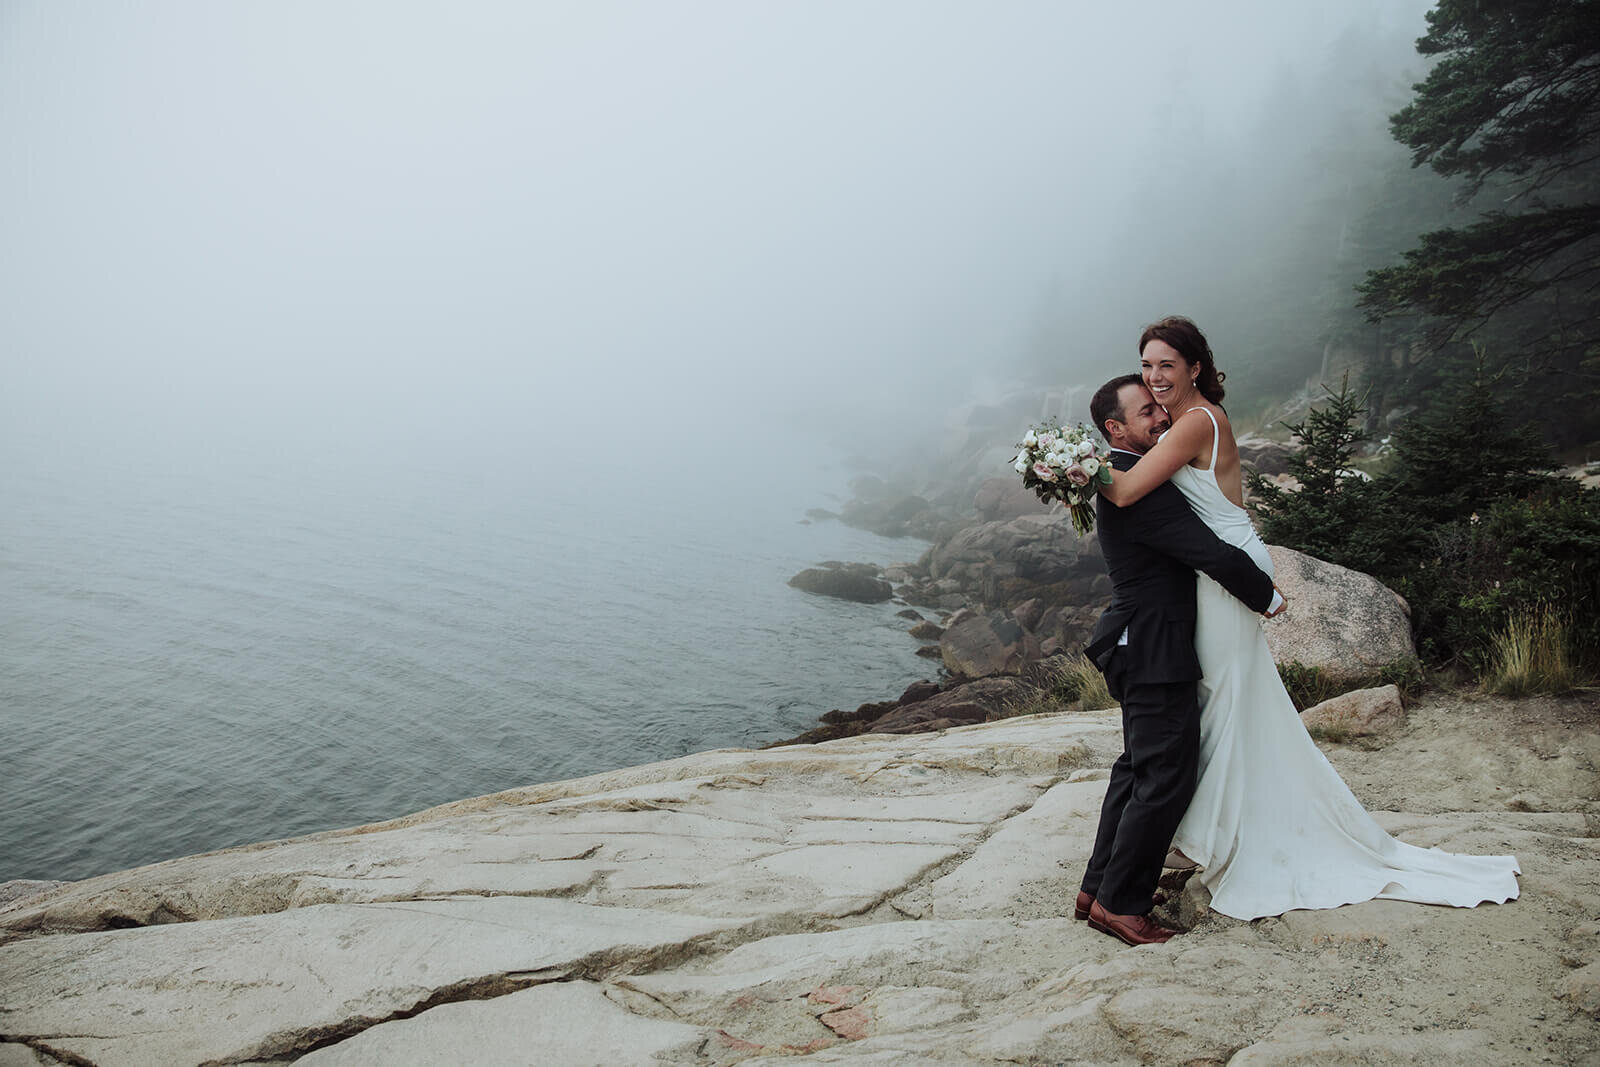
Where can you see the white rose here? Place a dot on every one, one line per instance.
(1030, 439)
(1090, 465)
(1020, 465)
(1056, 459)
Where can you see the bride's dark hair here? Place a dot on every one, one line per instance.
(1184, 336)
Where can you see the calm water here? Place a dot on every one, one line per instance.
(194, 658)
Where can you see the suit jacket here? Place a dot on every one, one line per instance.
(1152, 550)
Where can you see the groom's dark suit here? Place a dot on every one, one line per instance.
(1152, 550)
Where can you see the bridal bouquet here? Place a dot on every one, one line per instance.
(1062, 464)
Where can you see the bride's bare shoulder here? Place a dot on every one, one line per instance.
(1221, 417)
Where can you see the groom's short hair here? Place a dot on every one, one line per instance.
(1107, 402)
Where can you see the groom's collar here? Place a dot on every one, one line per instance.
(1129, 451)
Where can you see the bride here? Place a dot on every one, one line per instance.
(1272, 824)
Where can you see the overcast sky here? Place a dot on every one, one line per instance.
(488, 226)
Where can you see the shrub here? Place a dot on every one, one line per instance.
(1463, 524)
(1306, 686)
(1510, 561)
(1310, 686)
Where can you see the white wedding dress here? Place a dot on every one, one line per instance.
(1272, 824)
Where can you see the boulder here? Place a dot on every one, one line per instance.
(1346, 624)
(1006, 498)
(920, 593)
(1265, 456)
(1040, 548)
(1029, 612)
(1360, 713)
(864, 713)
(984, 645)
(920, 690)
(846, 583)
(927, 630)
(977, 701)
(1068, 626)
(890, 514)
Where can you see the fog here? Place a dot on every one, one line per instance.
(566, 235)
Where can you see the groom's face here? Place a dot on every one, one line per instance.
(1142, 419)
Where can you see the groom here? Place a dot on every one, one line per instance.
(1144, 645)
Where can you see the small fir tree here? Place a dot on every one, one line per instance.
(1325, 517)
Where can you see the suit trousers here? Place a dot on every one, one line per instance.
(1150, 788)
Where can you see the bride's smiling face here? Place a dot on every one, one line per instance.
(1169, 376)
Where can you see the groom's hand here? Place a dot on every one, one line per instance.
(1279, 605)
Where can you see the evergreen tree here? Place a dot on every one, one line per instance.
(1513, 108)
(1463, 524)
(1330, 516)
(1460, 454)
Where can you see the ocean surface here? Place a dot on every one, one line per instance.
(200, 652)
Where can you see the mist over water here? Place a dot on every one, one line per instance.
(400, 402)
(206, 663)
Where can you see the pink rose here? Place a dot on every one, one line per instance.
(1077, 475)
(1044, 472)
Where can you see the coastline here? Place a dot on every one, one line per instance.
(900, 896)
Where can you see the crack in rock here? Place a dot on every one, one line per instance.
(925, 879)
(37, 1044)
(599, 967)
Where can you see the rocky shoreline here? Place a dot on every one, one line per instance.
(1015, 596)
(893, 887)
(888, 898)
(901, 896)
(1006, 588)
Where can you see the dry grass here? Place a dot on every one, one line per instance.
(1064, 683)
(1089, 683)
(1336, 733)
(1531, 656)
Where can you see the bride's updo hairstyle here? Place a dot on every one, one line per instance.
(1184, 336)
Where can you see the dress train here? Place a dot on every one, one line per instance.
(1272, 823)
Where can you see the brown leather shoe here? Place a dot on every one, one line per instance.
(1131, 929)
(1080, 909)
